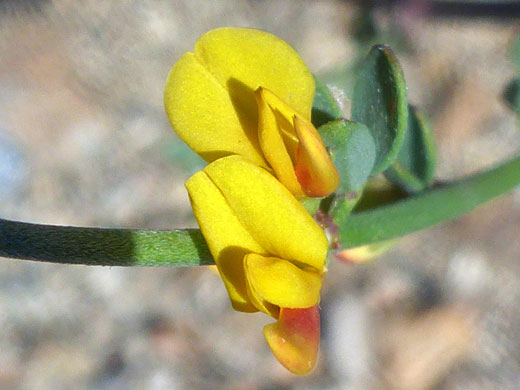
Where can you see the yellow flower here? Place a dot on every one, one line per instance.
(269, 252)
(246, 92)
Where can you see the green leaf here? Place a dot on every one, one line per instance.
(340, 206)
(98, 246)
(379, 192)
(324, 106)
(311, 204)
(352, 150)
(511, 95)
(376, 193)
(379, 101)
(429, 208)
(414, 168)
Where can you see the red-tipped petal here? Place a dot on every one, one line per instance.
(314, 169)
(295, 338)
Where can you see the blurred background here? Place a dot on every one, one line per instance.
(84, 141)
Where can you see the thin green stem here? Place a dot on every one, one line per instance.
(98, 246)
(430, 208)
(177, 248)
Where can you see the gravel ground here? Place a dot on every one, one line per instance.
(84, 141)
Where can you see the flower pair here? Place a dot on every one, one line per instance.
(242, 101)
(248, 93)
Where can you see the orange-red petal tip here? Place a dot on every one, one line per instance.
(314, 169)
(295, 338)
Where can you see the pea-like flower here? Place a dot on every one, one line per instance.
(246, 92)
(269, 252)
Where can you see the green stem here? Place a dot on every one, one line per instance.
(430, 208)
(98, 246)
(177, 248)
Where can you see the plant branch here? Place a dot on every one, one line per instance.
(98, 246)
(429, 208)
(181, 248)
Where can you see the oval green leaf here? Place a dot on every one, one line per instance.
(414, 168)
(379, 101)
(324, 106)
(352, 150)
